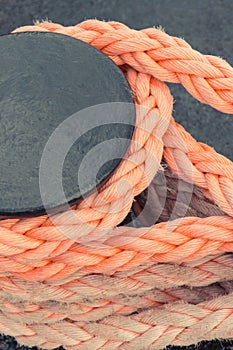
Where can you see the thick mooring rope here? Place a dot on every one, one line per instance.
(138, 288)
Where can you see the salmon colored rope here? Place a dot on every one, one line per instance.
(153, 328)
(109, 287)
(134, 282)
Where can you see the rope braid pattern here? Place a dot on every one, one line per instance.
(145, 287)
(153, 328)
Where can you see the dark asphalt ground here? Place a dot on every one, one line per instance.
(206, 24)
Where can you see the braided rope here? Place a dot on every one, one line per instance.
(48, 254)
(153, 328)
(134, 282)
(154, 266)
(89, 310)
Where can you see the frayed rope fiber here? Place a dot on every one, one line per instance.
(145, 287)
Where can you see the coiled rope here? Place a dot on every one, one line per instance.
(140, 288)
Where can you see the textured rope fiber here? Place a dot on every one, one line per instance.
(165, 200)
(144, 287)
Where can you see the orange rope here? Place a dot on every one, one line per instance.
(133, 282)
(130, 287)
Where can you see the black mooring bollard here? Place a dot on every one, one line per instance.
(44, 79)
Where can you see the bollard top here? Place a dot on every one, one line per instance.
(55, 87)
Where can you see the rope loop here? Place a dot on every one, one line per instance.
(86, 283)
